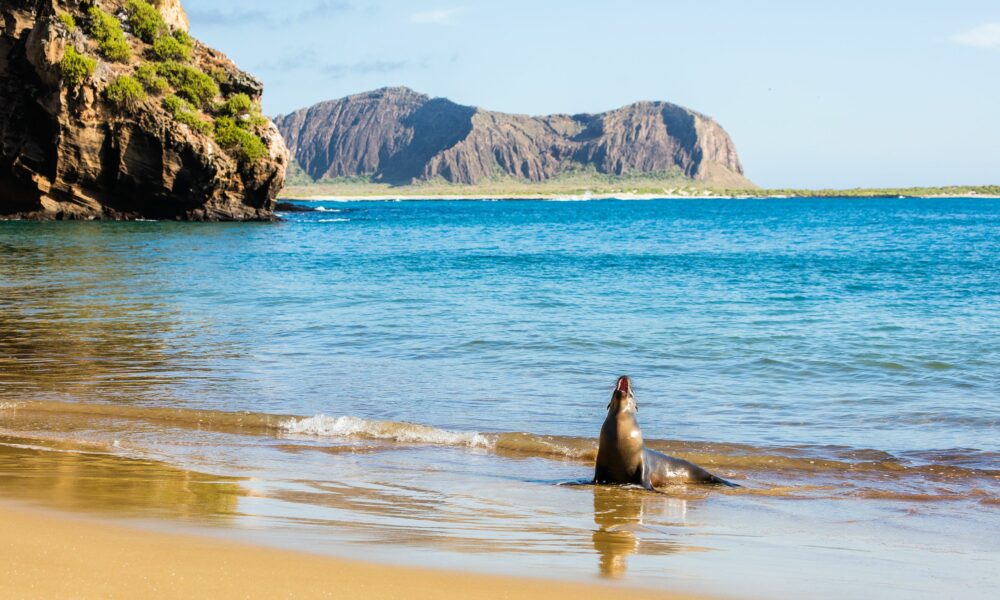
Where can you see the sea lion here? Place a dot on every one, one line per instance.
(622, 457)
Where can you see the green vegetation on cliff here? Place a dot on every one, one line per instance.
(236, 105)
(146, 22)
(247, 146)
(167, 47)
(151, 80)
(238, 125)
(68, 21)
(126, 70)
(243, 111)
(190, 83)
(75, 67)
(186, 114)
(125, 92)
(107, 31)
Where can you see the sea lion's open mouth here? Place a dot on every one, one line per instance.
(624, 385)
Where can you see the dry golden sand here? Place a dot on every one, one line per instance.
(47, 555)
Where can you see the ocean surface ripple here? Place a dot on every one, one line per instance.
(841, 322)
(424, 382)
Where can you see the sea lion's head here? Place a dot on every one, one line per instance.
(622, 399)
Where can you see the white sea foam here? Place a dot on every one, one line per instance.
(8, 405)
(325, 209)
(332, 220)
(346, 426)
(43, 448)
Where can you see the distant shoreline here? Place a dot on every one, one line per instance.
(344, 191)
(639, 197)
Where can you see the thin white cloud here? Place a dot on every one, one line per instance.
(322, 9)
(438, 16)
(986, 36)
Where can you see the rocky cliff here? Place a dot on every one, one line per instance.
(108, 109)
(395, 135)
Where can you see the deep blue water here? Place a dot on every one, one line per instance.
(862, 323)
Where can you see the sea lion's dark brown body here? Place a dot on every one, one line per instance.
(622, 458)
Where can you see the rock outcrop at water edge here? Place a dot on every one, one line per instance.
(110, 110)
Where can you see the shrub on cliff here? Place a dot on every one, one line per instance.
(184, 39)
(151, 80)
(252, 122)
(145, 20)
(220, 75)
(174, 105)
(184, 113)
(125, 92)
(68, 22)
(241, 109)
(166, 47)
(75, 67)
(236, 105)
(190, 83)
(111, 41)
(246, 147)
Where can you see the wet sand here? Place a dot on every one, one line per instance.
(808, 521)
(49, 555)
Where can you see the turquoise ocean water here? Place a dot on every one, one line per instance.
(836, 332)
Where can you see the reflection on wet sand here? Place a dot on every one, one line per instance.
(620, 514)
(432, 514)
(80, 480)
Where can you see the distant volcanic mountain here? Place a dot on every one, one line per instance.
(398, 136)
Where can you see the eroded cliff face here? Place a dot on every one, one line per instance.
(398, 136)
(174, 14)
(71, 148)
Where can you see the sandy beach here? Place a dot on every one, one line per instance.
(50, 555)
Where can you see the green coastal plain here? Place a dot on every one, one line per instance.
(592, 184)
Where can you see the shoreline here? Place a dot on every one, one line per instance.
(585, 198)
(51, 554)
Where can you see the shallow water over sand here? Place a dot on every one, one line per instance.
(798, 526)
(425, 382)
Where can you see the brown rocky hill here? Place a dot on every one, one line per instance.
(398, 136)
(108, 109)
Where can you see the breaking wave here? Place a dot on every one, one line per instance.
(961, 467)
(348, 426)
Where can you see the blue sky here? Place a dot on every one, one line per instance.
(833, 94)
